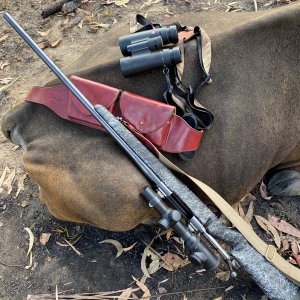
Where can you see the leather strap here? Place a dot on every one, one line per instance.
(267, 250)
(153, 120)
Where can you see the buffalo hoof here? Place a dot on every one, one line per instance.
(285, 183)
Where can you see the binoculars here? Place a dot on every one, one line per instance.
(144, 51)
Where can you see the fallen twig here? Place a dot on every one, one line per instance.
(2, 89)
(8, 265)
(94, 296)
(255, 5)
(54, 8)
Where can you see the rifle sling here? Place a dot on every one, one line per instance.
(266, 250)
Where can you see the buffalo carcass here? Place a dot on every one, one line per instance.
(85, 177)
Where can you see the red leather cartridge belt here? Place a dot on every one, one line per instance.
(148, 119)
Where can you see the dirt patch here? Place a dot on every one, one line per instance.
(96, 269)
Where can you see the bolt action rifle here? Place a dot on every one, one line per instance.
(178, 206)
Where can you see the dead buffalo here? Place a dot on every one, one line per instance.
(85, 177)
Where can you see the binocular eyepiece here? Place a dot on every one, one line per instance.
(144, 51)
(168, 35)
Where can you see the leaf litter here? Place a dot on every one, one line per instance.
(263, 191)
(118, 246)
(125, 294)
(6, 184)
(21, 186)
(6, 80)
(44, 33)
(249, 215)
(3, 65)
(143, 287)
(30, 246)
(44, 238)
(173, 261)
(284, 226)
(269, 228)
(3, 38)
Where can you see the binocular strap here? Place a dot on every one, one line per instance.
(180, 94)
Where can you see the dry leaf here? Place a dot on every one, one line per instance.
(6, 80)
(2, 89)
(241, 211)
(43, 45)
(24, 203)
(15, 148)
(162, 290)
(1, 224)
(99, 25)
(20, 185)
(284, 226)
(264, 192)
(200, 271)
(7, 183)
(129, 248)
(173, 261)
(249, 214)
(247, 199)
(294, 247)
(168, 233)
(73, 248)
(117, 244)
(292, 261)
(285, 246)
(3, 207)
(44, 238)
(229, 288)
(134, 296)
(143, 261)
(3, 65)
(268, 227)
(150, 2)
(29, 251)
(30, 262)
(2, 39)
(5, 171)
(224, 276)
(31, 240)
(169, 12)
(143, 287)
(121, 2)
(66, 21)
(125, 294)
(296, 258)
(155, 263)
(44, 33)
(54, 44)
(80, 24)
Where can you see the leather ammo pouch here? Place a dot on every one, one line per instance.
(146, 118)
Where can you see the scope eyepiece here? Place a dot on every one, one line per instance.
(169, 35)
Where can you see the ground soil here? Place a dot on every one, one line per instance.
(96, 269)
